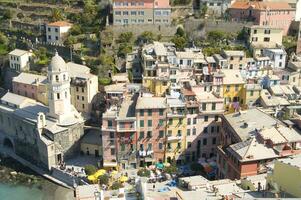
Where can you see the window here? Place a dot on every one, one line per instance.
(160, 146)
(203, 106)
(170, 121)
(255, 31)
(212, 129)
(133, 13)
(206, 118)
(112, 135)
(161, 122)
(217, 129)
(188, 121)
(83, 98)
(77, 97)
(280, 64)
(133, 3)
(149, 146)
(122, 147)
(266, 39)
(125, 13)
(149, 112)
(58, 95)
(76, 89)
(117, 12)
(228, 88)
(179, 145)
(141, 123)
(83, 89)
(188, 132)
(165, 13)
(56, 38)
(179, 133)
(161, 134)
(141, 112)
(188, 144)
(169, 133)
(110, 123)
(168, 146)
(56, 78)
(161, 112)
(56, 30)
(251, 93)
(205, 130)
(281, 56)
(254, 39)
(194, 120)
(236, 87)
(205, 141)
(214, 140)
(267, 31)
(149, 134)
(149, 123)
(66, 94)
(194, 131)
(216, 117)
(158, 12)
(213, 107)
(141, 135)
(231, 58)
(49, 29)
(83, 106)
(112, 152)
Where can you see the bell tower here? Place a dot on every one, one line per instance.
(58, 88)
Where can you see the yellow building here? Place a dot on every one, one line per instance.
(252, 94)
(233, 90)
(286, 176)
(176, 130)
(157, 86)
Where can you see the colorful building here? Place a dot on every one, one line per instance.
(141, 12)
(274, 14)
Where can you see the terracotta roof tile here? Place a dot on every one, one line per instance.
(60, 23)
(262, 5)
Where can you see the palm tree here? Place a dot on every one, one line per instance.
(57, 15)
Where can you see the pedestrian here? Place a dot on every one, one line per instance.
(154, 186)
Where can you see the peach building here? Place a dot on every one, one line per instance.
(141, 12)
(31, 85)
(274, 14)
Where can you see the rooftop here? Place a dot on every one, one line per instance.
(234, 53)
(149, 102)
(127, 109)
(246, 122)
(232, 76)
(60, 24)
(30, 79)
(77, 69)
(292, 160)
(251, 150)
(18, 52)
(261, 5)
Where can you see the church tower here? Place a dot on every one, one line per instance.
(59, 89)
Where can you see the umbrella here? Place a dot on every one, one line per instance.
(92, 178)
(100, 173)
(159, 165)
(114, 172)
(123, 179)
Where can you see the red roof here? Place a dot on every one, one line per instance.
(261, 5)
(60, 24)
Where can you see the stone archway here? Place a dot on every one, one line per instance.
(8, 143)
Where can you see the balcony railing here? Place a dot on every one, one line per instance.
(174, 138)
(132, 127)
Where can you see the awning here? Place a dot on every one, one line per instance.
(110, 164)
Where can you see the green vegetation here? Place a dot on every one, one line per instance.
(145, 37)
(41, 54)
(143, 172)
(104, 81)
(116, 186)
(104, 179)
(125, 44)
(172, 169)
(181, 2)
(90, 169)
(3, 44)
(180, 39)
(290, 44)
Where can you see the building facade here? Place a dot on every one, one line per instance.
(56, 31)
(141, 12)
(19, 59)
(263, 13)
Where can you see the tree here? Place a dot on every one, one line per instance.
(70, 40)
(103, 180)
(90, 169)
(3, 39)
(215, 36)
(180, 42)
(56, 15)
(125, 37)
(124, 49)
(116, 186)
(75, 30)
(180, 32)
(172, 169)
(145, 37)
(8, 14)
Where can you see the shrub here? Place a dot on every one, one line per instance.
(90, 169)
(143, 172)
(116, 186)
(172, 169)
(103, 180)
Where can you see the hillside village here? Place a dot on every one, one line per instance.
(156, 99)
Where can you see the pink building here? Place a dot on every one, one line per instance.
(274, 14)
(32, 86)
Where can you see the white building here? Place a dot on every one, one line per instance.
(277, 57)
(19, 59)
(216, 7)
(56, 31)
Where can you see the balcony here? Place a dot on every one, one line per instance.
(174, 138)
(131, 128)
(108, 128)
(176, 114)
